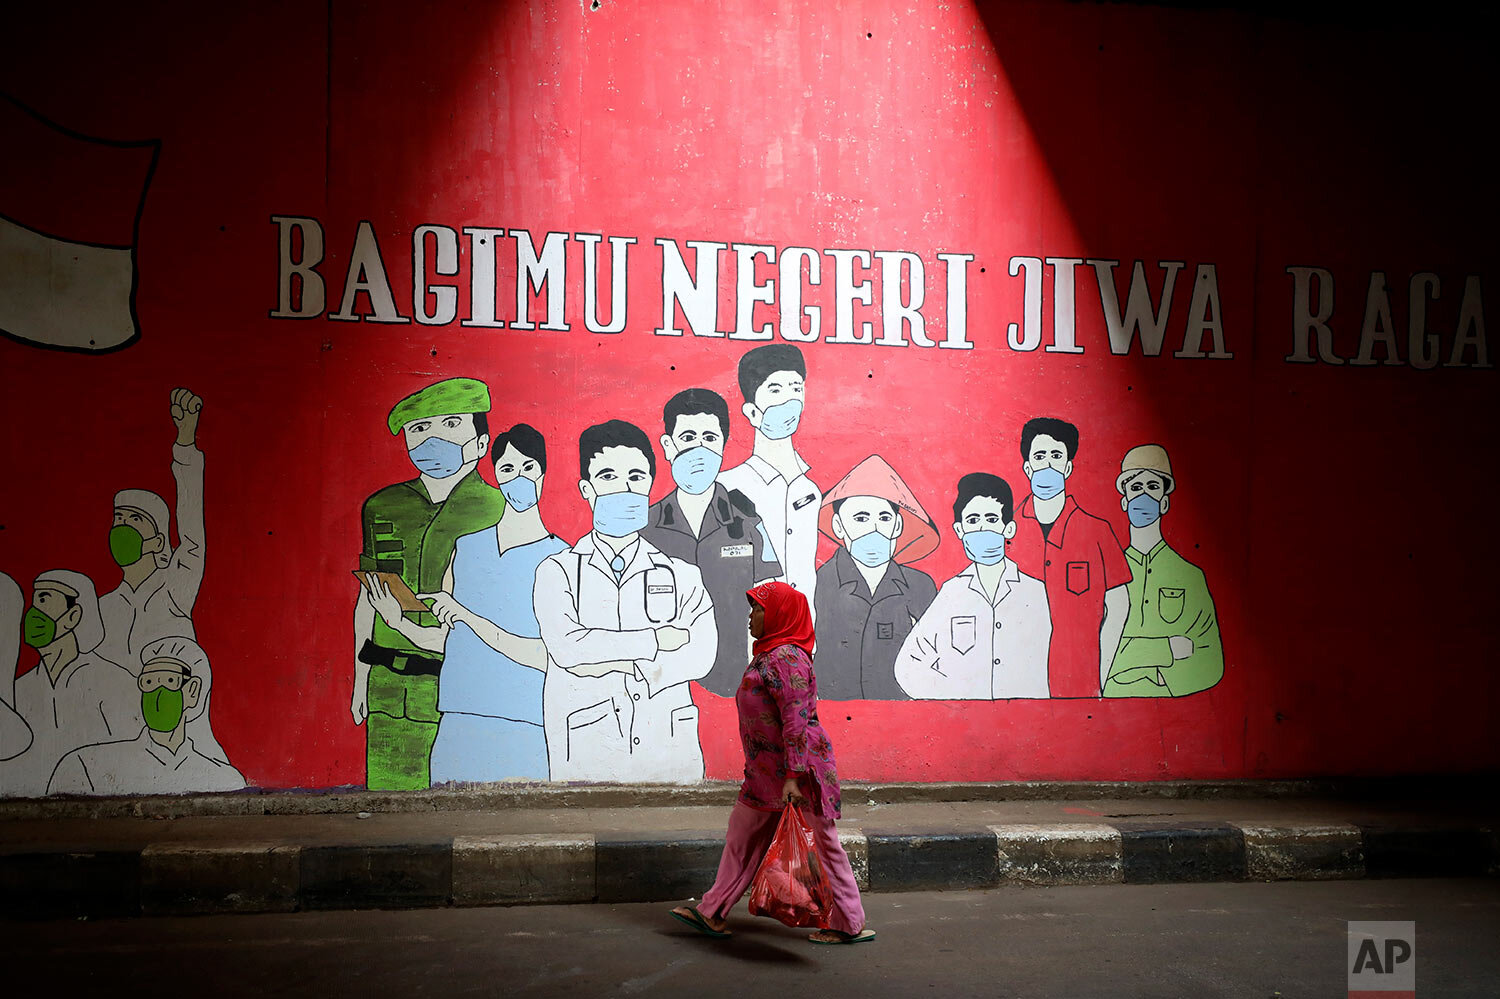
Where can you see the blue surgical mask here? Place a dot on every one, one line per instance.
(780, 421)
(872, 550)
(1047, 482)
(437, 457)
(619, 514)
(1143, 510)
(984, 547)
(520, 493)
(695, 469)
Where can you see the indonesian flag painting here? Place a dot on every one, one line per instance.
(67, 260)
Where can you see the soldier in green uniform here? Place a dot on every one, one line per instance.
(409, 530)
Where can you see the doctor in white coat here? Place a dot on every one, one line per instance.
(986, 635)
(626, 628)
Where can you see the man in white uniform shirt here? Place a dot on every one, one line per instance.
(74, 697)
(772, 381)
(626, 628)
(986, 634)
(174, 682)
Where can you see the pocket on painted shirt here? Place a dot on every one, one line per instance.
(685, 722)
(661, 594)
(592, 729)
(1078, 578)
(963, 633)
(1169, 601)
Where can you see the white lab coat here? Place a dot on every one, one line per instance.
(639, 725)
(142, 766)
(966, 647)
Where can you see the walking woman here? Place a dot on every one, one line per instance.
(788, 760)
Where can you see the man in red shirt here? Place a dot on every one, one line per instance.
(1077, 556)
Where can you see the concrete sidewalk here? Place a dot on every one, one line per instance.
(219, 854)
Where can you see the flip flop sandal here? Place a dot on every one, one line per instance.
(845, 938)
(698, 923)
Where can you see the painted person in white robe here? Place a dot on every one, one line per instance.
(74, 697)
(15, 734)
(160, 583)
(174, 683)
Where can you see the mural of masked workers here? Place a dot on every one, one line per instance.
(868, 597)
(1171, 643)
(174, 682)
(714, 528)
(74, 697)
(15, 734)
(1077, 556)
(986, 634)
(409, 531)
(773, 383)
(626, 628)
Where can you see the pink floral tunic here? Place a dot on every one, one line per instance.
(778, 709)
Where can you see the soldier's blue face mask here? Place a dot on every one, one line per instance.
(780, 421)
(1144, 509)
(1047, 483)
(520, 493)
(617, 515)
(695, 469)
(985, 547)
(437, 457)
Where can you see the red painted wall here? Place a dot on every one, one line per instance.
(1337, 511)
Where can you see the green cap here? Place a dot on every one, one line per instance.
(452, 395)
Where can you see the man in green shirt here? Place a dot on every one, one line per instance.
(1170, 646)
(409, 530)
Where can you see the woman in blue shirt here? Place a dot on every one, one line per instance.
(490, 689)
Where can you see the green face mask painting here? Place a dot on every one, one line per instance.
(38, 629)
(162, 709)
(125, 544)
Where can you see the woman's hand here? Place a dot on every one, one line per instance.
(791, 794)
(445, 608)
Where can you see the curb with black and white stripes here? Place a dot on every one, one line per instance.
(193, 878)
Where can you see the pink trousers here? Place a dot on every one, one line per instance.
(750, 833)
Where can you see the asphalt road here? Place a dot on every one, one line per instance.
(1246, 939)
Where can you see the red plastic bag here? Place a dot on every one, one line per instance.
(791, 884)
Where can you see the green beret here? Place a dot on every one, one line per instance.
(452, 395)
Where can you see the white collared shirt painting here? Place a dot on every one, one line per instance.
(789, 512)
(966, 647)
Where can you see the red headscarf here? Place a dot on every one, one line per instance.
(788, 619)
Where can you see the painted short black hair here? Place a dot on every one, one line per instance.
(761, 363)
(840, 502)
(481, 424)
(986, 485)
(692, 402)
(1060, 430)
(527, 440)
(613, 433)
